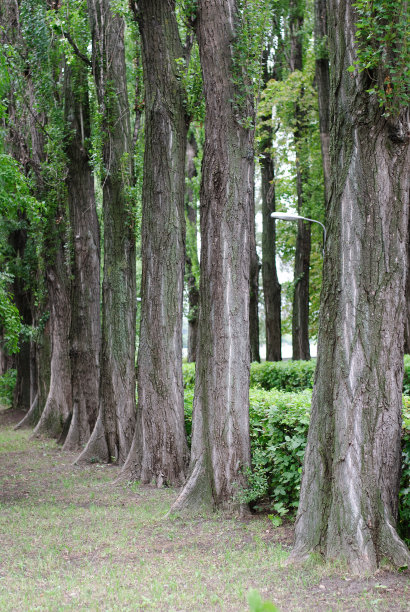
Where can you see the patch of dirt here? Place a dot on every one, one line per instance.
(11, 416)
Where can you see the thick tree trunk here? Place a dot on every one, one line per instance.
(85, 333)
(349, 493)
(159, 451)
(253, 286)
(191, 251)
(56, 416)
(220, 436)
(323, 87)
(271, 285)
(112, 435)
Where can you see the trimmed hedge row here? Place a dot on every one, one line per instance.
(279, 423)
(285, 375)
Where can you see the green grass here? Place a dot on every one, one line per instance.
(71, 539)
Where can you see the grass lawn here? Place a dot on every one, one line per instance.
(71, 539)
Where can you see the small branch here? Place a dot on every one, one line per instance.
(76, 50)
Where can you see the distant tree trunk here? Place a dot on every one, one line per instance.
(271, 285)
(253, 286)
(323, 87)
(56, 416)
(112, 435)
(85, 332)
(191, 250)
(22, 299)
(300, 312)
(159, 453)
(349, 492)
(220, 436)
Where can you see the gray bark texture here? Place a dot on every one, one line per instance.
(349, 492)
(112, 435)
(220, 435)
(56, 416)
(159, 453)
(85, 332)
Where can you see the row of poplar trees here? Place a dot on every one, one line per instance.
(67, 121)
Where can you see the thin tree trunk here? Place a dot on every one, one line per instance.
(191, 257)
(349, 492)
(159, 452)
(323, 87)
(220, 436)
(85, 332)
(112, 435)
(271, 285)
(253, 286)
(300, 312)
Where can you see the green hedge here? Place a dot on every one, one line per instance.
(278, 427)
(285, 375)
(7, 384)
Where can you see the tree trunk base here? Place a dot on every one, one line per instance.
(31, 418)
(96, 449)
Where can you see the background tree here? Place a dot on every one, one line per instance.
(112, 436)
(349, 494)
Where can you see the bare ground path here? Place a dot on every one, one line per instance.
(70, 539)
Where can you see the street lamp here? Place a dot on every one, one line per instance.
(285, 216)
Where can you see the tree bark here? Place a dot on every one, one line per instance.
(85, 332)
(112, 435)
(159, 452)
(349, 492)
(300, 312)
(220, 435)
(191, 251)
(56, 416)
(271, 285)
(253, 285)
(323, 87)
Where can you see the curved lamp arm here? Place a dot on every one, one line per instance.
(295, 217)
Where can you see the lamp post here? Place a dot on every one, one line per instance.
(284, 216)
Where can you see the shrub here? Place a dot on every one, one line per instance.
(283, 375)
(279, 424)
(404, 494)
(406, 378)
(7, 384)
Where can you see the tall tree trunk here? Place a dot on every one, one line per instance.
(112, 435)
(300, 312)
(85, 332)
(22, 299)
(56, 416)
(253, 286)
(271, 285)
(159, 451)
(349, 493)
(191, 257)
(220, 435)
(323, 87)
